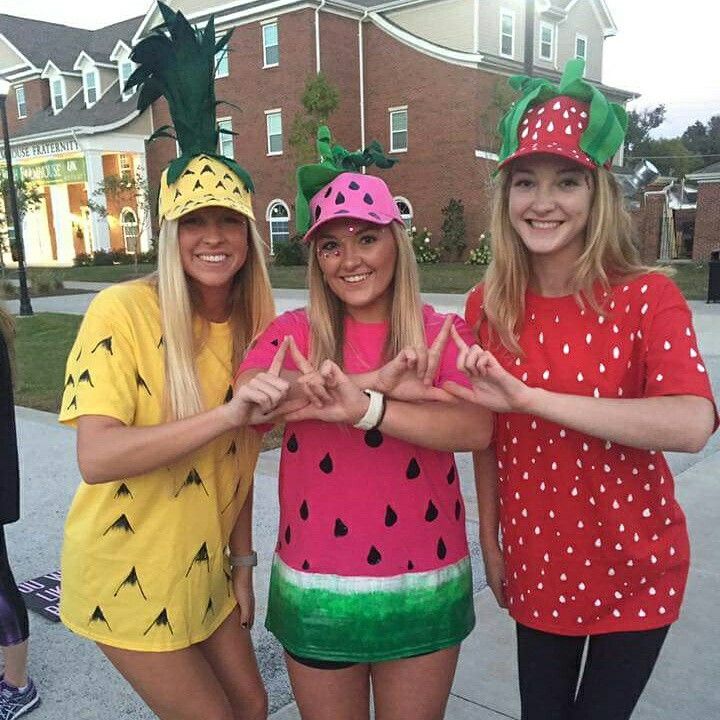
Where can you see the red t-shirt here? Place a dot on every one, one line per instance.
(594, 540)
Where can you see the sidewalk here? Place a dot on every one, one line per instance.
(76, 682)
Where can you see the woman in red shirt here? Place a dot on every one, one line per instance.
(591, 362)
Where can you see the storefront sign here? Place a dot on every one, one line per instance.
(42, 594)
(50, 172)
(43, 149)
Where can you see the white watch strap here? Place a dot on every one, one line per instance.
(249, 560)
(374, 412)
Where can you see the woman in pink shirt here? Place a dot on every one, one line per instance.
(371, 578)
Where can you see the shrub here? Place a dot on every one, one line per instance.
(8, 289)
(121, 257)
(44, 280)
(453, 229)
(425, 253)
(82, 260)
(482, 254)
(149, 257)
(102, 257)
(292, 252)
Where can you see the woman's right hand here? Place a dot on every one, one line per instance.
(495, 573)
(256, 400)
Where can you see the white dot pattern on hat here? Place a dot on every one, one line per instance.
(594, 539)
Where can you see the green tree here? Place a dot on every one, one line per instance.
(453, 229)
(129, 190)
(640, 123)
(319, 100)
(502, 97)
(704, 139)
(669, 155)
(29, 198)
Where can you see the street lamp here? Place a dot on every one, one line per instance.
(25, 306)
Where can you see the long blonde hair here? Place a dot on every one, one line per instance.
(252, 310)
(326, 312)
(7, 329)
(609, 255)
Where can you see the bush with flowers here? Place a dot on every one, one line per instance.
(482, 254)
(425, 253)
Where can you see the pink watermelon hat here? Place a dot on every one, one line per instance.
(573, 120)
(354, 196)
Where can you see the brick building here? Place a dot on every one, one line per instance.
(707, 219)
(425, 78)
(72, 127)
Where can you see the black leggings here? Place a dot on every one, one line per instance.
(617, 668)
(13, 615)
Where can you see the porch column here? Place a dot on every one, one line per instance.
(95, 177)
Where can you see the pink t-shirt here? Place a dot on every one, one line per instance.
(358, 503)
(594, 539)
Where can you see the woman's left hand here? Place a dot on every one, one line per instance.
(242, 579)
(492, 386)
(347, 402)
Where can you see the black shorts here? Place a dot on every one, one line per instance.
(333, 664)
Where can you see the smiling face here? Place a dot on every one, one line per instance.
(357, 260)
(549, 206)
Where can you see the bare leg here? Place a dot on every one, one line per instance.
(230, 653)
(414, 688)
(195, 682)
(16, 664)
(330, 694)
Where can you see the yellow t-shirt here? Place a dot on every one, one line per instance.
(143, 562)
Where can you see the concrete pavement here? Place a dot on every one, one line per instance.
(76, 682)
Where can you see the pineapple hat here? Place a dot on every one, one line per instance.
(177, 61)
(335, 187)
(572, 119)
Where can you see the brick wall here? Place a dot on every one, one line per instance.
(707, 223)
(648, 226)
(37, 99)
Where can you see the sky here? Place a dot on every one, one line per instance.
(664, 50)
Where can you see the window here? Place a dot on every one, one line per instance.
(406, 212)
(90, 84)
(271, 48)
(398, 129)
(278, 216)
(581, 47)
(225, 140)
(129, 223)
(125, 71)
(21, 104)
(547, 41)
(274, 132)
(125, 166)
(57, 92)
(507, 33)
(222, 63)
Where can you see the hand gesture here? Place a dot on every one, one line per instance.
(242, 580)
(258, 400)
(410, 374)
(492, 386)
(310, 381)
(347, 403)
(495, 574)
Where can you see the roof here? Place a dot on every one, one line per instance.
(713, 169)
(40, 41)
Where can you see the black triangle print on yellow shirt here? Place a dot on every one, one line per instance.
(232, 450)
(105, 344)
(85, 377)
(72, 405)
(201, 556)
(70, 382)
(209, 609)
(132, 580)
(229, 394)
(98, 616)
(122, 523)
(123, 491)
(233, 496)
(160, 621)
(140, 381)
(193, 478)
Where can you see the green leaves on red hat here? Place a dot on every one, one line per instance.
(607, 123)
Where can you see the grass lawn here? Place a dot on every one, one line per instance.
(43, 344)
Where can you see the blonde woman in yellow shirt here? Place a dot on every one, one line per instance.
(157, 559)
